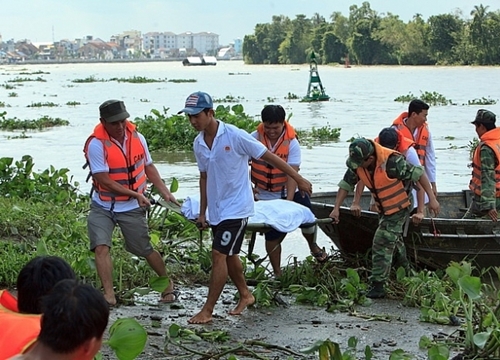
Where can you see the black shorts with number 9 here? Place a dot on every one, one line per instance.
(228, 236)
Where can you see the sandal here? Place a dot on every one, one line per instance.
(174, 293)
(321, 256)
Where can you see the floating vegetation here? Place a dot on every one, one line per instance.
(138, 80)
(471, 146)
(47, 104)
(73, 103)
(39, 72)
(431, 98)
(449, 137)
(482, 101)
(25, 79)
(38, 124)
(8, 86)
(322, 134)
(88, 79)
(12, 94)
(291, 96)
(20, 136)
(144, 100)
(271, 99)
(3, 104)
(229, 99)
(239, 73)
(183, 80)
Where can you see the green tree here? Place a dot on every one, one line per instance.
(444, 37)
(333, 49)
(297, 43)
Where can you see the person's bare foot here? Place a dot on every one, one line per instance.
(110, 299)
(203, 317)
(242, 305)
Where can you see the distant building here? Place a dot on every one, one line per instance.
(238, 46)
(156, 43)
(130, 40)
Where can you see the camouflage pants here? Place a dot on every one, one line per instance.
(388, 245)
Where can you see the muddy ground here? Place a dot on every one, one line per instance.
(293, 328)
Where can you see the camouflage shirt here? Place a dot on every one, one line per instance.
(396, 168)
(488, 199)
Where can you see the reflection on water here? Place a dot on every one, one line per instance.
(362, 104)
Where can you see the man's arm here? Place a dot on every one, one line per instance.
(106, 182)
(202, 220)
(430, 163)
(291, 185)
(154, 176)
(302, 183)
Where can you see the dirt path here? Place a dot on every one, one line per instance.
(294, 327)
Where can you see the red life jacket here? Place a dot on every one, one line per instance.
(127, 169)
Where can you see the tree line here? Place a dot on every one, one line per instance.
(369, 38)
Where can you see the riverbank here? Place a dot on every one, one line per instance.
(278, 332)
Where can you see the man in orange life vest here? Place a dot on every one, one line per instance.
(392, 138)
(120, 165)
(413, 125)
(388, 176)
(20, 318)
(485, 182)
(271, 183)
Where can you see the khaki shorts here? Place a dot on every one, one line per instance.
(133, 224)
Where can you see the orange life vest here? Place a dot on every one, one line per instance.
(127, 169)
(390, 194)
(421, 139)
(17, 331)
(264, 175)
(8, 301)
(492, 140)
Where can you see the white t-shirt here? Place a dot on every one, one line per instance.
(99, 165)
(294, 159)
(412, 157)
(229, 191)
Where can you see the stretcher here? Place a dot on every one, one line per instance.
(281, 215)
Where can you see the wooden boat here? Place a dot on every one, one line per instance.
(432, 244)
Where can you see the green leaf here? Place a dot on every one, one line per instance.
(41, 248)
(173, 330)
(159, 283)
(438, 352)
(313, 348)
(174, 186)
(127, 338)
(480, 339)
(471, 285)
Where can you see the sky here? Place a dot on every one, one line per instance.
(48, 20)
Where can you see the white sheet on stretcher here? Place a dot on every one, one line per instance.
(282, 215)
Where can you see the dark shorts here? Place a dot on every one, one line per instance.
(133, 225)
(228, 236)
(273, 235)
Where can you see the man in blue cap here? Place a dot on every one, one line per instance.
(222, 152)
(388, 176)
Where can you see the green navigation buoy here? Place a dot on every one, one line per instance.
(315, 89)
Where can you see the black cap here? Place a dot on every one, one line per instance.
(113, 110)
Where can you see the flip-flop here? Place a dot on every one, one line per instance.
(174, 293)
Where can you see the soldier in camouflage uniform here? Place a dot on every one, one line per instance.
(388, 236)
(485, 182)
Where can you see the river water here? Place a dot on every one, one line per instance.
(362, 102)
